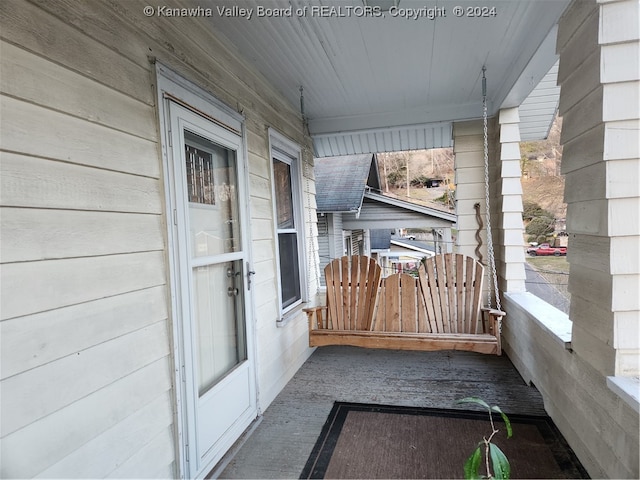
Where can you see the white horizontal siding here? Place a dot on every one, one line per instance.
(41, 391)
(53, 38)
(469, 165)
(159, 446)
(74, 140)
(86, 366)
(40, 183)
(23, 74)
(117, 444)
(32, 449)
(84, 316)
(35, 340)
(620, 22)
(74, 233)
(56, 283)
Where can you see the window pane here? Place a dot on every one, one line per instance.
(200, 181)
(212, 197)
(284, 198)
(289, 268)
(219, 314)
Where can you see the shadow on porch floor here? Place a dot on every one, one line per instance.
(280, 444)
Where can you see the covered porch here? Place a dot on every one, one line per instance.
(99, 334)
(559, 57)
(279, 444)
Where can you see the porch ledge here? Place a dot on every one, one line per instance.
(554, 321)
(627, 388)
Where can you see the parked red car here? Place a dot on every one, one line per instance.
(546, 249)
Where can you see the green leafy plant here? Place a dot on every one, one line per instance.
(494, 458)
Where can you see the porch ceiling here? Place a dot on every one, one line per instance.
(388, 83)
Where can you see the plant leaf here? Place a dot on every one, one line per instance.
(477, 400)
(472, 465)
(499, 462)
(507, 422)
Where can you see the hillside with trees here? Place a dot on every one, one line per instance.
(542, 182)
(407, 175)
(411, 175)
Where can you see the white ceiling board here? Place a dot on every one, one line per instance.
(539, 108)
(416, 137)
(362, 72)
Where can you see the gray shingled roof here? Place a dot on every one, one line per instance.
(341, 182)
(380, 239)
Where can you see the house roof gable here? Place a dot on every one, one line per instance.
(341, 182)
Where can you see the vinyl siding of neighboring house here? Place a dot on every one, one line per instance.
(330, 240)
(86, 327)
(374, 215)
(323, 244)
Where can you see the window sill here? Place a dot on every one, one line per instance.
(627, 388)
(290, 315)
(553, 321)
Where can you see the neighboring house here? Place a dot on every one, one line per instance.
(340, 186)
(159, 227)
(400, 254)
(349, 209)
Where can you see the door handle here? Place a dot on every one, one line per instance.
(249, 273)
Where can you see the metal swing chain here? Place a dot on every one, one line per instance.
(490, 251)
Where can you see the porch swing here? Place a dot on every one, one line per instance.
(439, 310)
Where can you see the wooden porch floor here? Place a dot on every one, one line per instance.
(279, 445)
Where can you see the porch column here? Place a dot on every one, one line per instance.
(506, 194)
(599, 48)
(508, 240)
(468, 149)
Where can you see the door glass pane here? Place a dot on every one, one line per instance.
(213, 197)
(219, 312)
(284, 197)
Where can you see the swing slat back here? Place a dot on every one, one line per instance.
(438, 310)
(352, 287)
(451, 285)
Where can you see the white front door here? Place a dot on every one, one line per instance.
(212, 281)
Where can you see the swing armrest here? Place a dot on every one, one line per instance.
(492, 312)
(495, 318)
(315, 317)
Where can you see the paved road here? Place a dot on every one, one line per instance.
(539, 286)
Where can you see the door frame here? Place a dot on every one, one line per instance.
(171, 86)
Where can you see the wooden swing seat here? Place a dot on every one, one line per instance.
(438, 310)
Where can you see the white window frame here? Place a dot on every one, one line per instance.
(283, 149)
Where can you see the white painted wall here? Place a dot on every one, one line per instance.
(85, 323)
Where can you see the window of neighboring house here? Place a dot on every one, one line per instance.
(347, 250)
(288, 220)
